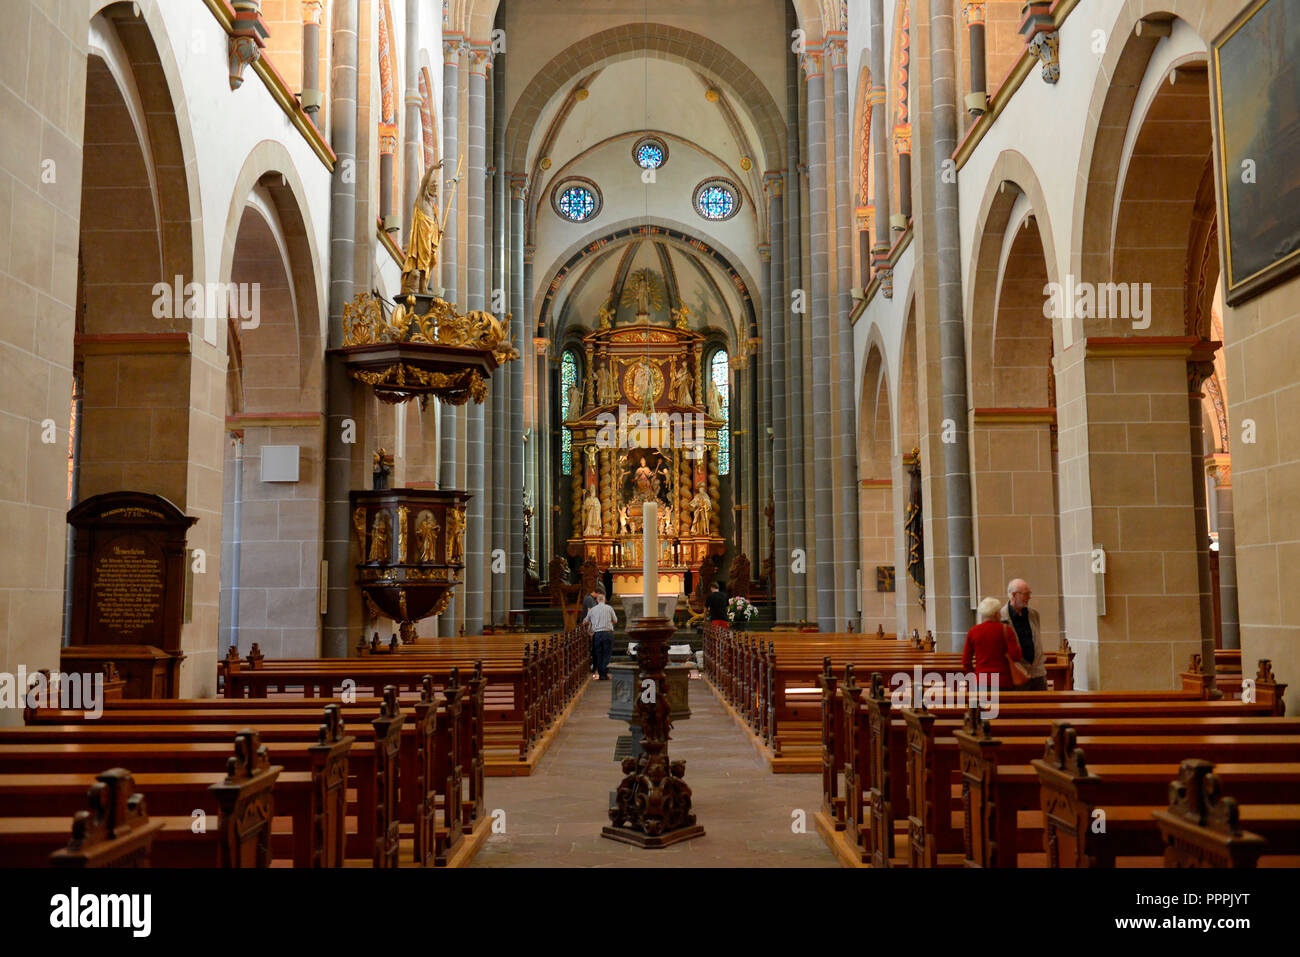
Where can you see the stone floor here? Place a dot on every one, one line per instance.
(553, 817)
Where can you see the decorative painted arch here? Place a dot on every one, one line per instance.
(387, 66)
(815, 17)
(722, 258)
(428, 138)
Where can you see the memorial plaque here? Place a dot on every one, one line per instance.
(128, 579)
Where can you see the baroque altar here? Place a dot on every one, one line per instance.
(645, 423)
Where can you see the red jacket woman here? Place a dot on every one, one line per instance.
(989, 644)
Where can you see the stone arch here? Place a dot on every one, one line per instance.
(646, 39)
(1109, 119)
(476, 17)
(1012, 188)
(876, 545)
(669, 230)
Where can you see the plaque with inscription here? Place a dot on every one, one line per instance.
(128, 581)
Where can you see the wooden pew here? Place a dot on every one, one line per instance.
(907, 768)
(1091, 818)
(1201, 827)
(991, 797)
(115, 831)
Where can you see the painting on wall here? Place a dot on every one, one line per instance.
(1256, 95)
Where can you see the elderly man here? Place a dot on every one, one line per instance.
(1024, 621)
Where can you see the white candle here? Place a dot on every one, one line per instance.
(650, 559)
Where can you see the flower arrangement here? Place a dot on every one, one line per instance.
(740, 610)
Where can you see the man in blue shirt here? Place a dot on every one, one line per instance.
(601, 618)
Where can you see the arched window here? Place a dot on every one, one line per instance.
(568, 379)
(720, 373)
(717, 199)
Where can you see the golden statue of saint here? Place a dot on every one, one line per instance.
(426, 531)
(426, 233)
(379, 539)
(455, 535)
(401, 534)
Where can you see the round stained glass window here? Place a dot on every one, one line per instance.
(650, 152)
(717, 199)
(576, 200)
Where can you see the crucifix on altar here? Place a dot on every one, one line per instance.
(652, 807)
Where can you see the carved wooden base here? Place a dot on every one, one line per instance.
(652, 806)
(628, 835)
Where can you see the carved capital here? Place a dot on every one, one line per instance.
(387, 139)
(903, 138)
(311, 10)
(1219, 468)
(541, 345)
(972, 12)
(480, 58)
(811, 62)
(837, 50)
(1044, 46)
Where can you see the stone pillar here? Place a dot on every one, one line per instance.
(338, 455)
(387, 147)
(795, 287)
(818, 235)
(518, 333)
(847, 516)
(778, 403)
(952, 339)
(544, 501)
(879, 151)
(475, 278)
(972, 12)
(504, 448)
(311, 93)
(1200, 368)
(411, 148)
(449, 254)
(1220, 467)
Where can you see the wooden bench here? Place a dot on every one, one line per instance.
(882, 768)
(1090, 818)
(444, 742)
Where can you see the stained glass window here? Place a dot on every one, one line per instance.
(719, 370)
(717, 199)
(576, 202)
(568, 379)
(650, 152)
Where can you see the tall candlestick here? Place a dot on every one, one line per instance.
(650, 560)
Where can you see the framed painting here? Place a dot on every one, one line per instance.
(1255, 89)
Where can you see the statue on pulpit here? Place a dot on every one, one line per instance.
(700, 508)
(591, 515)
(426, 532)
(425, 234)
(680, 391)
(379, 539)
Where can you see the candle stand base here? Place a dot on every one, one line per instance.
(652, 806)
